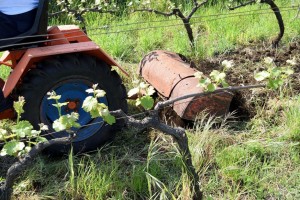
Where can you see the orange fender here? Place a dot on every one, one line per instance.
(34, 55)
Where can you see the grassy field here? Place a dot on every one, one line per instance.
(254, 159)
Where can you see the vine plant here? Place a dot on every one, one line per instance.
(142, 92)
(24, 142)
(20, 131)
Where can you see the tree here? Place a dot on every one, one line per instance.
(276, 11)
(178, 12)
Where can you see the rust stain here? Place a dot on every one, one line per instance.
(172, 77)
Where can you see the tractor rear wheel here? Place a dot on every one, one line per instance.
(70, 76)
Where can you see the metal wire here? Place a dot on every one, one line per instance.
(137, 23)
(131, 30)
(127, 116)
(178, 19)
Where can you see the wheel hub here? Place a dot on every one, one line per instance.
(72, 105)
(73, 92)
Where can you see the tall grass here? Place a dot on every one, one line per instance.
(215, 31)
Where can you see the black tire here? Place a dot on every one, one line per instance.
(61, 72)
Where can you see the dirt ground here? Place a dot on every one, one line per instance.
(250, 59)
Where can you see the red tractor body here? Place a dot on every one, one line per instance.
(62, 59)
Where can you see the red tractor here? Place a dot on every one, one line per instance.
(65, 60)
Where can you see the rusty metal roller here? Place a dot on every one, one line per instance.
(172, 77)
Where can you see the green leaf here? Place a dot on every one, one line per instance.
(104, 112)
(150, 90)
(18, 105)
(22, 129)
(41, 139)
(35, 133)
(58, 125)
(211, 87)
(275, 72)
(100, 93)
(198, 75)
(90, 103)
(27, 149)
(147, 102)
(95, 113)
(204, 82)
(110, 119)
(59, 105)
(133, 91)
(52, 95)
(217, 76)
(228, 64)
(12, 148)
(260, 76)
(138, 102)
(143, 85)
(268, 60)
(275, 83)
(225, 84)
(66, 122)
(3, 134)
(214, 74)
(288, 71)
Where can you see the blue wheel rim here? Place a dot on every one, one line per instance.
(72, 91)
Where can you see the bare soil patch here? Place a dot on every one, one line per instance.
(250, 59)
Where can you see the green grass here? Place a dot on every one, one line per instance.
(214, 30)
(257, 159)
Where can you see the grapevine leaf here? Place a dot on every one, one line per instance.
(53, 95)
(58, 125)
(12, 148)
(268, 60)
(143, 85)
(59, 105)
(228, 64)
(292, 62)
(198, 75)
(260, 76)
(110, 119)
(225, 84)
(138, 102)
(90, 90)
(288, 71)
(89, 104)
(18, 105)
(211, 87)
(275, 72)
(150, 90)
(94, 113)
(147, 102)
(214, 74)
(100, 93)
(22, 129)
(35, 133)
(3, 134)
(104, 112)
(275, 83)
(41, 139)
(66, 122)
(27, 149)
(204, 82)
(133, 91)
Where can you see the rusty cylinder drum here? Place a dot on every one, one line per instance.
(172, 77)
